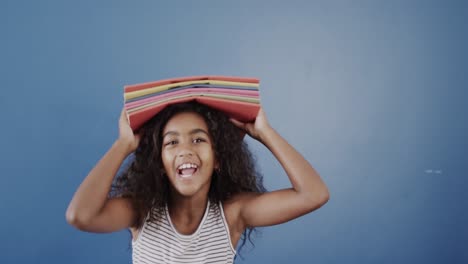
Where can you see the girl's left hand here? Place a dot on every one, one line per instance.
(255, 129)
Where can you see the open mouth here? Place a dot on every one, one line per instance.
(186, 170)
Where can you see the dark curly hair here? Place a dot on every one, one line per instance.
(145, 183)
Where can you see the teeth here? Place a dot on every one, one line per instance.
(187, 166)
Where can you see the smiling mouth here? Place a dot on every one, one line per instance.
(186, 170)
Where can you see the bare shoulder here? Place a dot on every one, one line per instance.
(135, 232)
(128, 212)
(232, 209)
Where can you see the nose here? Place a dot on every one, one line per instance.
(185, 151)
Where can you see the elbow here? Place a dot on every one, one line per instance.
(325, 197)
(317, 200)
(321, 198)
(71, 217)
(74, 219)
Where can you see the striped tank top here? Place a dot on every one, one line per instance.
(161, 243)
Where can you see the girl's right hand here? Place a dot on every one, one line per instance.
(126, 134)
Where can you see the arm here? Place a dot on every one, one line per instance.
(308, 191)
(90, 209)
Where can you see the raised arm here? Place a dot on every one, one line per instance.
(308, 191)
(90, 209)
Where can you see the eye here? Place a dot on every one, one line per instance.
(199, 140)
(171, 142)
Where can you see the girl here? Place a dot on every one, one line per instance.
(191, 192)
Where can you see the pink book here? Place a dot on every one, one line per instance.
(215, 91)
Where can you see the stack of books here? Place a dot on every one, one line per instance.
(237, 97)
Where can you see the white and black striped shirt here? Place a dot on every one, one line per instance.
(161, 243)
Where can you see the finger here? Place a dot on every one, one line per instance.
(122, 113)
(124, 116)
(237, 123)
(137, 138)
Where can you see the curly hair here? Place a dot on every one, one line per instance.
(147, 186)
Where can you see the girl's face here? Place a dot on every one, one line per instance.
(187, 154)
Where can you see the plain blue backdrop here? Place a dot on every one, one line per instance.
(372, 93)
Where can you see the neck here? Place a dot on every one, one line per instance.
(187, 209)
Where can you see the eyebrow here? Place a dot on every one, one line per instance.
(193, 131)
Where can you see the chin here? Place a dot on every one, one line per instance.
(188, 191)
(188, 187)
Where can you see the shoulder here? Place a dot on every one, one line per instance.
(151, 216)
(233, 208)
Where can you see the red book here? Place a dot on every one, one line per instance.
(236, 103)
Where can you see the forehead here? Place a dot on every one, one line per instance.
(184, 122)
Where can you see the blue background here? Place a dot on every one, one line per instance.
(372, 93)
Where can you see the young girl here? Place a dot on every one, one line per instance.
(191, 192)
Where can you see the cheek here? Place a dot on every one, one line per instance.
(166, 159)
(209, 156)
